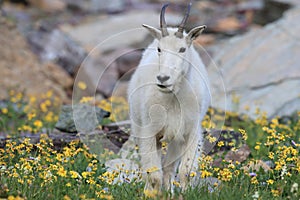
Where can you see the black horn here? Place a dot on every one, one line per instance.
(163, 24)
(179, 32)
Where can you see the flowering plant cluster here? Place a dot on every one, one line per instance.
(42, 170)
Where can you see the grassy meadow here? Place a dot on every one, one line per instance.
(38, 170)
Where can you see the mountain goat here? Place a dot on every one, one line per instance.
(168, 97)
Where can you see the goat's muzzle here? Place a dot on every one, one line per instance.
(162, 83)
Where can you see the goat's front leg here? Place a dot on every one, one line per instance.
(189, 161)
(151, 163)
(170, 165)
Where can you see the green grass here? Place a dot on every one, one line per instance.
(39, 171)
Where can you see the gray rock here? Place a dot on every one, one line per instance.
(100, 75)
(118, 31)
(98, 142)
(53, 45)
(22, 71)
(262, 68)
(98, 5)
(240, 155)
(80, 118)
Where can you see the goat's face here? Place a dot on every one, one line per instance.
(173, 50)
(173, 62)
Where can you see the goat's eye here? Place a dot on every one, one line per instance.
(158, 50)
(182, 50)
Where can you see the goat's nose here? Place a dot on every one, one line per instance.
(163, 78)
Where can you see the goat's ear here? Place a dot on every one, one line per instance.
(194, 33)
(153, 31)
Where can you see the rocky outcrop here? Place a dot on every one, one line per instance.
(21, 70)
(119, 31)
(51, 44)
(97, 5)
(261, 68)
(108, 74)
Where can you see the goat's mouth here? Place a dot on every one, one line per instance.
(164, 88)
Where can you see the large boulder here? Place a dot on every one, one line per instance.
(51, 44)
(261, 68)
(117, 31)
(21, 70)
(97, 5)
(80, 117)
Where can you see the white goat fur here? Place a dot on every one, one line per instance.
(171, 114)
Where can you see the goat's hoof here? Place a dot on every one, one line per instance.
(154, 181)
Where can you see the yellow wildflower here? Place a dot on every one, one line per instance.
(43, 107)
(270, 182)
(177, 184)
(26, 128)
(81, 85)
(86, 99)
(31, 115)
(38, 123)
(47, 102)
(231, 144)
(211, 139)
(12, 93)
(220, 144)
(32, 100)
(14, 198)
(4, 110)
(205, 174)
(254, 180)
(244, 134)
(193, 174)
(62, 172)
(13, 99)
(91, 181)
(275, 193)
(68, 184)
(74, 174)
(85, 174)
(104, 196)
(66, 197)
(231, 166)
(49, 94)
(20, 181)
(225, 174)
(49, 117)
